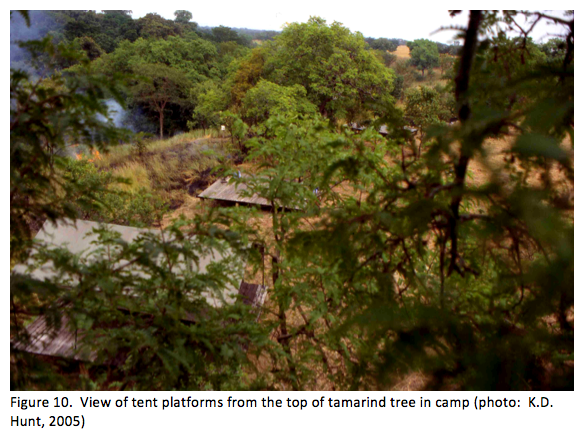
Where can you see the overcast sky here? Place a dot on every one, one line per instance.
(371, 18)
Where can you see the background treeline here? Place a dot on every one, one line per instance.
(201, 76)
(213, 68)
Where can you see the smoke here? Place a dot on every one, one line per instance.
(42, 24)
(116, 113)
(137, 121)
(133, 119)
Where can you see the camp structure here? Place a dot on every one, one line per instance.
(383, 130)
(79, 238)
(227, 190)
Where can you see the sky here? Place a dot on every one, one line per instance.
(371, 18)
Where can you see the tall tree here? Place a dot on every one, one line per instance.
(424, 54)
(153, 25)
(267, 99)
(249, 72)
(226, 34)
(332, 64)
(160, 87)
(183, 16)
(195, 57)
(209, 100)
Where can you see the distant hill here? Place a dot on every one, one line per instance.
(252, 34)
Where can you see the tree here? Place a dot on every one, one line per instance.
(160, 87)
(267, 99)
(226, 34)
(423, 107)
(294, 157)
(249, 72)
(554, 49)
(446, 64)
(91, 48)
(195, 57)
(517, 58)
(155, 26)
(424, 54)
(382, 44)
(230, 54)
(183, 16)
(107, 28)
(332, 64)
(209, 100)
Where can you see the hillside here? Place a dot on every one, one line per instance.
(402, 52)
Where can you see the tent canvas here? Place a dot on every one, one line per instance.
(78, 237)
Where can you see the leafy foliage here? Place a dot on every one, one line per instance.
(425, 107)
(209, 100)
(267, 100)
(183, 16)
(109, 204)
(47, 115)
(164, 334)
(160, 87)
(225, 34)
(340, 76)
(247, 75)
(108, 29)
(194, 57)
(424, 54)
(382, 44)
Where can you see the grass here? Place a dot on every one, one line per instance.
(402, 51)
(172, 169)
(121, 153)
(136, 173)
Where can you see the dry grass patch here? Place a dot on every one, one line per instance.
(137, 175)
(402, 51)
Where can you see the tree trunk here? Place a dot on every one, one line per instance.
(464, 111)
(323, 108)
(161, 116)
(284, 335)
(161, 124)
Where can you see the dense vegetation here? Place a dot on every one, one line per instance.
(448, 254)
